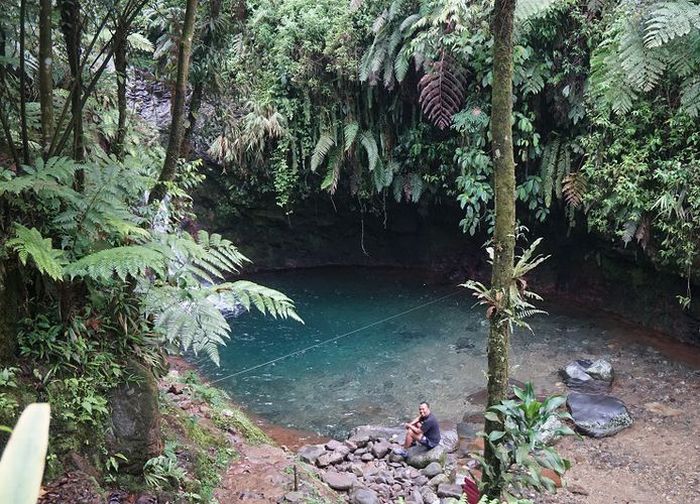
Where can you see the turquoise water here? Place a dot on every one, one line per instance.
(379, 373)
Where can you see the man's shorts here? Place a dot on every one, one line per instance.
(427, 443)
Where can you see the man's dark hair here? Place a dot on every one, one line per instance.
(424, 402)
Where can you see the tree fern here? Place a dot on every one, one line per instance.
(574, 189)
(350, 133)
(264, 299)
(29, 244)
(330, 181)
(690, 97)
(48, 179)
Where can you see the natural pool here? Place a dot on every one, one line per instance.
(407, 351)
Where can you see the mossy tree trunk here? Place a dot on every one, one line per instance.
(504, 233)
(177, 126)
(120, 43)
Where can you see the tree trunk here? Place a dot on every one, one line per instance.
(198, 88)
(22, 82)
(177, 126)
(504, 234)
(72, 29)
(120, 67)
(45, 74)
(8, 314)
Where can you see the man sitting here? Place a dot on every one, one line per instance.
(424, 429)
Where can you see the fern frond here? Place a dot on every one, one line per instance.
(563, 169)
(690, 97)
(350, 133)
(330, 181)
(323, 146)
(644, 68)
(138, 42)
(547, 170)
(370, 144)
(529, 9)
(29, 244)
(266, 300)
(130, 260)
(574, 189)
(442, 91)
(670, 20)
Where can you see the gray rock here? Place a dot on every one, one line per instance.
(294, 497)
(577, 377)
(360, 440)
(419, 456)
(463, 344)
(432, 469)
(449, 491)
(429, 497)
(381, 448)
(547, 435)
(438, 480)
(421, 480)
(415, 498)
(602, 370)
(135, 419)
(333, 445)
(339, 481)
(311, 453)
(366, 457)
(374, 432)
(357, 470)
(352, 446)
(360, 451)
(330, 458)
(449, 440)
(363, 496)
(598, 415)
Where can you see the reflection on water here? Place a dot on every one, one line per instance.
(379, 374)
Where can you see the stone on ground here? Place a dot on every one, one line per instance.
(339, 481)
(363, 496)
(311, 453)
(598, 415)
(432, 469)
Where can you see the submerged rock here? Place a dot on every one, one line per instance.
(598, 415)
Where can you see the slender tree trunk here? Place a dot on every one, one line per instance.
(198, 87)
(22, 82)
(120, 67)
(8, 314)
(504, 234)
(72, 30)
(177, 127)
(46, 74)
(195, 104)
(3, 119)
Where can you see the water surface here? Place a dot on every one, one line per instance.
(411, 340)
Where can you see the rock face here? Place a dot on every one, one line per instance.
(588, 376)
(135, 421)
(598, 415)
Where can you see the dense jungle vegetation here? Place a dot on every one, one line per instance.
(103, 269)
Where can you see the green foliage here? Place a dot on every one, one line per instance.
(22, 463)
(28, 243)
(511, 307)
(164, 471)
(519, 446)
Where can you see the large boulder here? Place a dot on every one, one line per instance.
(419, 456)
(598, 415)
(588, 376)
(135, 421)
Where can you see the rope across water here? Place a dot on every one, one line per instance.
(335, 338)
